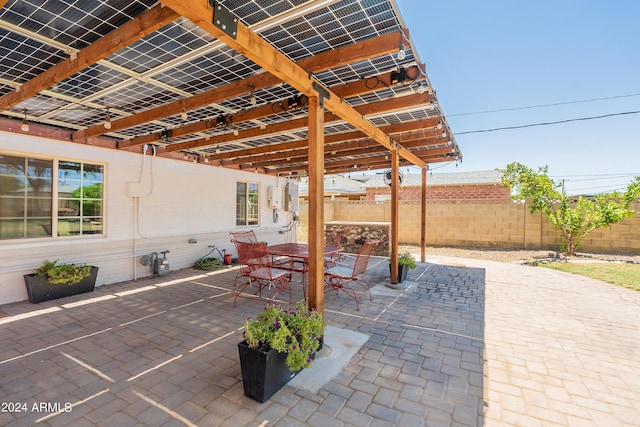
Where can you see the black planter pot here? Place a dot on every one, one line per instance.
(263, 373)
(39, 289)
(402, 272)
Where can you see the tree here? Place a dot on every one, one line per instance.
(574, 220)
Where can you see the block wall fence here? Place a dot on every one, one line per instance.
(481, 223)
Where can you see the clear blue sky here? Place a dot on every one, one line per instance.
(505, 54)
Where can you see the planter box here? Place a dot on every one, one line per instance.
(402, 272)
(39, 289)
(263, 373)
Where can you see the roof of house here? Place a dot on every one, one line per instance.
(443, 178)
(122, 74)
(335, 184)
(357, 185)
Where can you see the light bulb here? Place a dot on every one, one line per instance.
(107, 122)
(217, 149)
(401, 53)
(439, 126)
(25, 125)
(183, 114)
(235, 131)
(421, 88)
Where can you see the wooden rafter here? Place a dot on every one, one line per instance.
(360, 87)
(323, 61)
(329, 139)
(298, 124)
(377, 160)
(249, 44)
(139, 27)
(351, 149)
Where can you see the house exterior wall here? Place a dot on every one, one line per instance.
(445, 192)
(484, 223)
(186, 201)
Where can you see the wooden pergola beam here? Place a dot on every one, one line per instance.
(288, 126)
(139, 27)
(353, 148)
(328, 140)
(359, 87)
(239, 37)
(380, 160)
(321, 62)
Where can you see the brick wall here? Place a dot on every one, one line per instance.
(446, 192)
(490, 223)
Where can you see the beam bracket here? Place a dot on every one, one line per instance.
(323, 93)
(224, 19)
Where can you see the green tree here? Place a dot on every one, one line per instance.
(573, 220)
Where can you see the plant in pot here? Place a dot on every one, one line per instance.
(406, 262)
(52, 280)
(278, 345)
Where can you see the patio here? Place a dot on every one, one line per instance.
(470, 343)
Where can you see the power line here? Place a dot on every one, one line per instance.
(612, 175)
(596, 177)
(548, 123)
(545, 105)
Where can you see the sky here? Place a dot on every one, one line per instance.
(567, 55)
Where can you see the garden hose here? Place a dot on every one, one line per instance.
(209, 263)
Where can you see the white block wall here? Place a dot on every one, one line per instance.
(179, 201)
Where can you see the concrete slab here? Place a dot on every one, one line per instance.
(340, 346)
(390, 289)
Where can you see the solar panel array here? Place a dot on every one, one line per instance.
(181, 60)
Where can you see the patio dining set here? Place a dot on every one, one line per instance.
(266, 270)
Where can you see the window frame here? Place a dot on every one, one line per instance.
(52, 227)
(248, 217)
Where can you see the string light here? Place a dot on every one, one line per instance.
(107, 121)
(401, 53)
(25, 123)
(252, 98)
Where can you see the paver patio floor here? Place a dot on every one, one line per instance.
(470, 343)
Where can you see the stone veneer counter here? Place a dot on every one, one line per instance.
(356, 233)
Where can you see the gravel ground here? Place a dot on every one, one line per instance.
(517, 256)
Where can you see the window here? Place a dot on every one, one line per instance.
(80, 197)
(247, 202)
(29, 206)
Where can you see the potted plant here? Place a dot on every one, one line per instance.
(278, 345)
(52, 280)
(406, 262)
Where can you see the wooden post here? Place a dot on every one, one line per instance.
(395, 165)
(423, 216)
(316, 205)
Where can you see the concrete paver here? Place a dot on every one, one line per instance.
(469, 343)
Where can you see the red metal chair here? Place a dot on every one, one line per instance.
(248, 236)
(334, 239)
(346, 276)
(259, 271)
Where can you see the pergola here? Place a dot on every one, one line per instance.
(289, 88)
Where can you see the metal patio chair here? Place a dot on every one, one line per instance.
(244, 236)
(334, 239)
(346, 276)
(260, 273)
